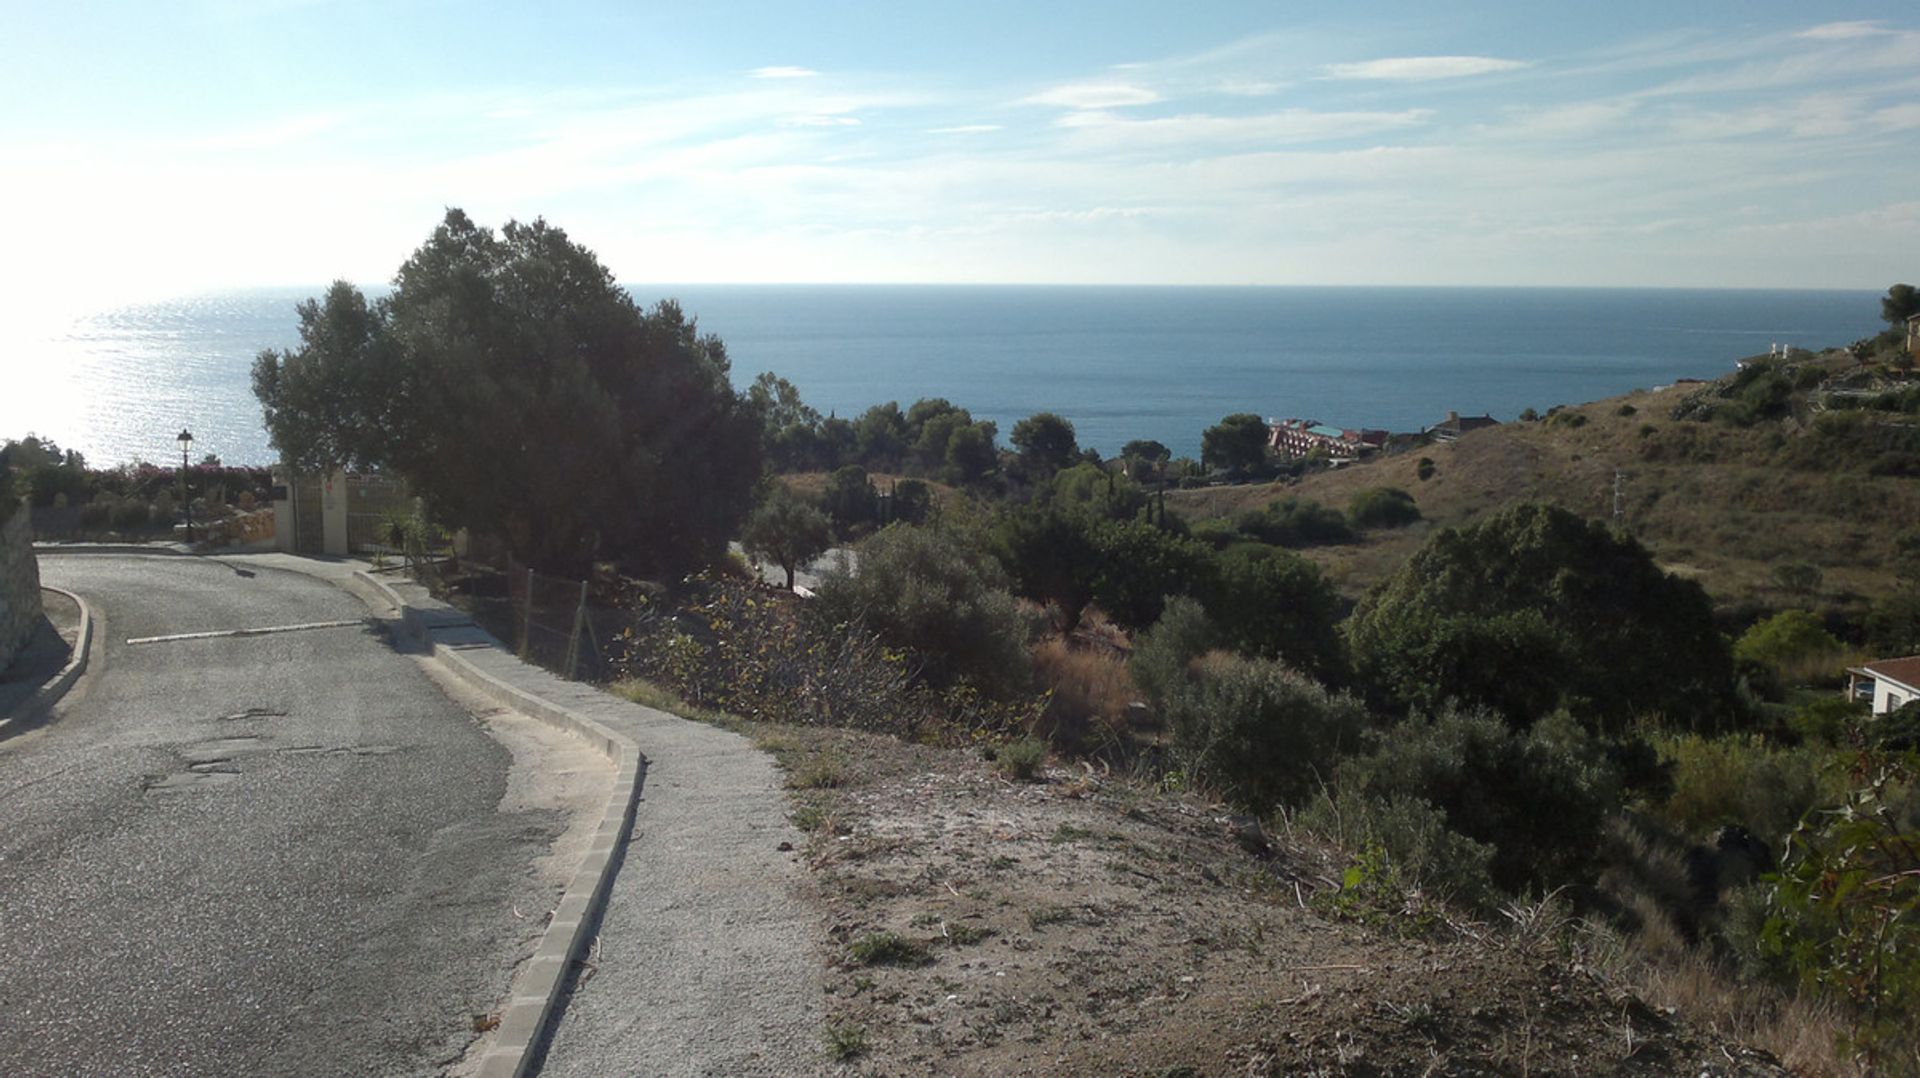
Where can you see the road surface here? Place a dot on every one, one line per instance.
(264, 854)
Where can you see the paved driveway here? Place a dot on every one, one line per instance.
(274, 854)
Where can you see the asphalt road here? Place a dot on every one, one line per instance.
(274, 854)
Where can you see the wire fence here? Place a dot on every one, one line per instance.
(569, 626)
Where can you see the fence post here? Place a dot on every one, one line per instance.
(526, 622)
(573, 639)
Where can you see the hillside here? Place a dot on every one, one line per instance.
(1722, 503)
(1089, 923)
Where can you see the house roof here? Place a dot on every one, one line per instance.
(1905, 671)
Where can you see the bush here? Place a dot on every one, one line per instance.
(1021, 760)
(943, 599)
(1296, 522)
(1276, 604)
(1738, 779)
(1534, 605)
(1139, 565)
(726, 646)
(1261, 734)
(1164, 654)
(1424, 469)
(1414, 836)
(1626, 410)
(1088, 694)
(1538, 797)
(1382, 507)
(1789, 638)
(131, 515)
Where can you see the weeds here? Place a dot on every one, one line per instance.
(844, 1041)
(1021, 760)
(888, 949)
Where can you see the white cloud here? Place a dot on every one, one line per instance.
(1094, 95)
(782, 73)
(1251, 87)
(1422, 68)
(1285, 126)
(820, 120)
(963, 129)
(1843, 31)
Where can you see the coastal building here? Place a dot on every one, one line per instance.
(1888, 683)
(1299, 437)
(1456, 424)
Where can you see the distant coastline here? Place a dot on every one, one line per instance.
(1121, 362)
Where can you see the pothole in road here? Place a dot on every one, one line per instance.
(341, 750)
(251, 713)
(197, 776)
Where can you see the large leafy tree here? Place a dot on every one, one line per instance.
(1901, 302)
(521, 392)
(1534, 608)
(786, 530)
(1238, 443)
(1045, 443)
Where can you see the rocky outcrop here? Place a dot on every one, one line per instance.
(19, 586)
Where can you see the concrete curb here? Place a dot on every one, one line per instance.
(47, 695)
(537, 990)
(52, 691)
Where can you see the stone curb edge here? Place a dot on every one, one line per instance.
(49, 694)
(523, 1023)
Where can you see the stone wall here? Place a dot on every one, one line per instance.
(19, 585)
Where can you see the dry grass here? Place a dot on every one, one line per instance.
(1802, 1034)
(1705, 498)
(1091, 691)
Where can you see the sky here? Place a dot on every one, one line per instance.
(155, 148)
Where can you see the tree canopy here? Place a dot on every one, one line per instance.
(1045, 443)
(1534, 607)
(1237, 443)
(1901, 302)
(521, 392)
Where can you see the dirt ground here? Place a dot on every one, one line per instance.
(1088, 924)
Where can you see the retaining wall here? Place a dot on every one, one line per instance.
(19, 585)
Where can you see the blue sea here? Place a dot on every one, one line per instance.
(1119, 362)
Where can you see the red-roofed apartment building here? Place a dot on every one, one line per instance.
(1298, 437)
(1891, 682)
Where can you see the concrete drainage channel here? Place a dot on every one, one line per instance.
(536, 992)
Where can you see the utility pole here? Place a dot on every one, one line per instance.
(1619, 504)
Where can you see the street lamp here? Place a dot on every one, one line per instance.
(185, 439)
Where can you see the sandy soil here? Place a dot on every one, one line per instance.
(1087, 924)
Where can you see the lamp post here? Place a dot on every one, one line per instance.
(185, 439)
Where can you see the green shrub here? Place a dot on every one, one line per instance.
(1216, 533)
(1276, 604)
(1296, 522)
(1260, 733)
(1626, 410)
(131, 515)
(1164, 654)
(1021, 760)
(1532, 606)
(1139, 565)
(944, 599)
(1739, 779)
(1382, 507)
(1790, 637)
(1841, 912)
(1424, 469)
(1539, 798)
(1415, 840)
(888, 949)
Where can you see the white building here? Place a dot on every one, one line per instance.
(1890, 682)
